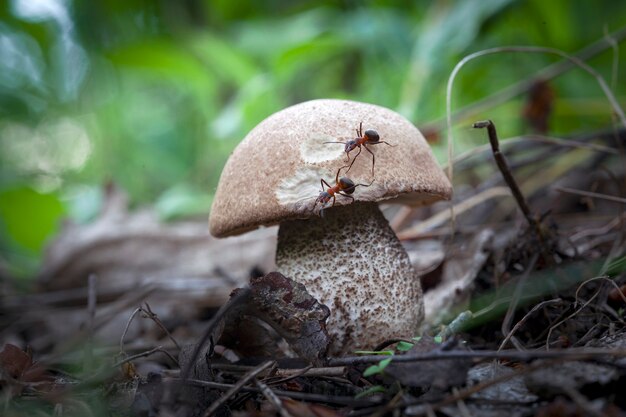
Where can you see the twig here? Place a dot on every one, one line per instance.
(143, 355)
(330, 399)
(591, 195)
(237, 387)
(582, 402)
(524, 356)
(240, 297)
(272, 398)
(148, 312)
(510, 180)
(461, 404)
(505, 170)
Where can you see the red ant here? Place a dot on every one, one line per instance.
(344, 186)
(369, 137)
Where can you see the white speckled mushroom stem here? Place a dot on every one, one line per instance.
(353, 262)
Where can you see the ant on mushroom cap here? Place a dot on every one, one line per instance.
(344, 186)
(369, 137)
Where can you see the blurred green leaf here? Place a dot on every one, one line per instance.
(182, 201)
(160, 57)
(404, 346)
(616, 266)
(29, 217)
(378, 368)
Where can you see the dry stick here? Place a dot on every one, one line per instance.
(330, 399)
(461, 404)
(271, 397)
(582, 402)
(143, 355)
(237, 387)
(508, 317)
(157, 320)
(240, 297)
(510, 180)
(526, 317)
(524, 356)
(591, 195)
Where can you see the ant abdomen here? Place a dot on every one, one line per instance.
(372, 135)
(347, 185)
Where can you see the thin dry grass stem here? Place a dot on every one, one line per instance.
(591, 194)
(237, 387)
(508, 317)
(523, 49)
(547, 73)
(272, 398)
(441, 217)
(523, 320)
(508, 142)
(575, 313)
(603, 230)
(614, 44)
(130, 320)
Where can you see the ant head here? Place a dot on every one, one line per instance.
(350, 145)
(371, 135)
(347, 185)
(323, 198)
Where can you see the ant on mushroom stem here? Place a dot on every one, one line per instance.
(369, 137)
(344, 186)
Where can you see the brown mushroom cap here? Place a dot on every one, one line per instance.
(274, 174)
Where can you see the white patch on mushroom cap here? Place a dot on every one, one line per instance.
(299, 191)
(313, 149)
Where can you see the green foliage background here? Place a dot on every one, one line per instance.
(154, 95)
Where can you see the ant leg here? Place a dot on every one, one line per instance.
(373, 158)
(353, 160)
(324, 182)
(347, 195)
(337, 176)
(359, 132)
(382, 141)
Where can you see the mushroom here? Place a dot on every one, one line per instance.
(349, 259)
